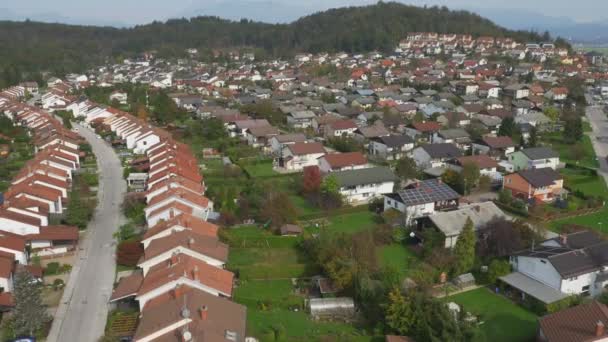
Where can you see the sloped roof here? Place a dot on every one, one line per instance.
(577, 323)
(364, 176)
(427, 191)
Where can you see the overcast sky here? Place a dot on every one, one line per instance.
(132, 12)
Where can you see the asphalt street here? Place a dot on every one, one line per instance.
(82, 314)
(599, 137)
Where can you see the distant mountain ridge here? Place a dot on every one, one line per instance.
(68, 48)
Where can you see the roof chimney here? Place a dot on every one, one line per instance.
(564, 239)
(171, 213)
(177, 291)
(204, 312)
(600, 329)
(195, 273)
(190, 241)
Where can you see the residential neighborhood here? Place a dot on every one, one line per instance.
(321, 197)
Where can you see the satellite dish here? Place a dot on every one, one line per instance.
(412, 235)
(187, 335)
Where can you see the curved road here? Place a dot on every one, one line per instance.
(82, 313)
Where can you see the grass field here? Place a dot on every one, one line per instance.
(265, 272)
(502, 319)
(397, 257)
(260, 169)
(583, 181)
(351, 223)
(597, 221)
(564, 149)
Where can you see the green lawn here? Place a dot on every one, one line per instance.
(260, 169)
(304, 207)
(397, 257)
(502, 319)
(597, 221)
(584, 182)
(564, 149)
(351, 223)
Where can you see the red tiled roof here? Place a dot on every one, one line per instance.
(9, 215)
(204, 245)
(127, 286)
(498, 142)
(189, 222)
(425, 127)
(339, 160)
(482, 161)
(575, 324)
(302, 148)
(55, 233)
(186, 266)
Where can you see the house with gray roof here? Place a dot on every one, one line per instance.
(456, 136)
(571, 264)
(422, 199)
(390, 147)
(435, 155)
(534, 158)
(300, 118)
(451, 223)
(362, 185)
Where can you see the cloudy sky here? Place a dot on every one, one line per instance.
(131, 12)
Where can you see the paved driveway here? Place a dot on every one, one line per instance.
(81, 315)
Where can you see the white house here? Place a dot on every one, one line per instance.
(295, 157)
(570, 264)
(422, 198)
(362, 185)
(390, 147)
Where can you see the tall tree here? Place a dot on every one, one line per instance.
(400, 315)
(470, 176)
(573, 129)
(311, 180)
(533, 139)
(464, 250)
(406, 168)
(279, 209)
(507, 127)
(29, 315)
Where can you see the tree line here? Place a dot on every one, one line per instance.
(31, 47)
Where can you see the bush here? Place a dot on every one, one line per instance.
(52, 268)
(504, 197)
(128, 253)
(58, 284)
(497, 269)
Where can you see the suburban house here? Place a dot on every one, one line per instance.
(172, 317)
(486, 165)
(340, 128)
(179, 223)
(451, 223)
(205, 248)
(422, 198)
(184, 270)
(423, 130)
(362, 185)
(342, 161)
(278, 142)
(570, 264)
(434, 155)
(540, 185)
(495, 147)
(390, 147)
(300, 119)
(260, 136)
(517, 91)
(557, 94)
(161, 207)
(366, 133)
(583, 322)
(297, 156)
(534, 158)
(456, 136)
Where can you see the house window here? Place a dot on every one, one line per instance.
(585, 290)
(389, 202)
(544, 261)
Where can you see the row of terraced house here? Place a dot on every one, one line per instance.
(180, 287)
(37, 193)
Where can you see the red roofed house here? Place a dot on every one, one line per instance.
(342, 161)
(297, 156)
(200, 206)
(340, 128)
(423, 130)
(177, 224)
(557, 94)
(204, 248)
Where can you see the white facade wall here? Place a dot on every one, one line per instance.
(146, 265)
(20, 256)
(364, 193)
(144, 143)
(538, 269)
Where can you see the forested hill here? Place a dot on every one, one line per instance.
(32, 46)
